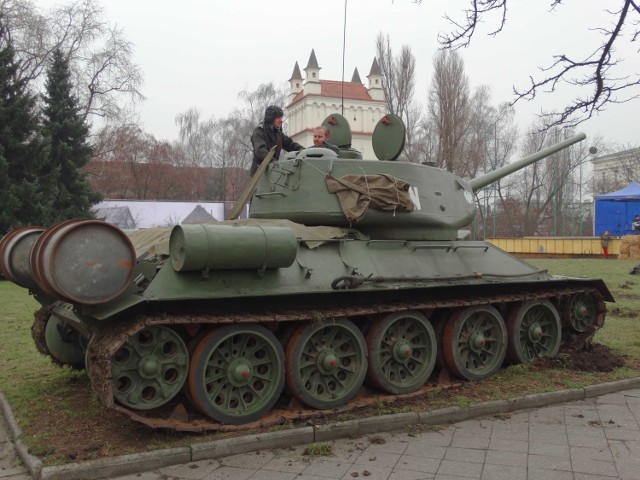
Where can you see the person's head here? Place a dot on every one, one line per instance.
(320, 135)
(606, 232)
(273, 115)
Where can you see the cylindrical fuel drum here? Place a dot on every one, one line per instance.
(87, 262)
(15, 249)
(227, 247)
(36, 257)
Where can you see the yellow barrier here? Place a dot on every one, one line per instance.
(555, 245)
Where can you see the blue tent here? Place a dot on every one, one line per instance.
(614, 211)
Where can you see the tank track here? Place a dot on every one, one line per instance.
(40, 319)
(176, 416)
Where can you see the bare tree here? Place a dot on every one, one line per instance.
(133, 164)
(195, 138)
(106, 79)
(256, 102)
(488, 144)
(596, 72)
(546, 197)
(449, 107)
(251, 113)
(398, 76)
(398, 84)
(234, 158)
(425, 144)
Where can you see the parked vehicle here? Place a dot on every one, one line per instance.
(349, 271)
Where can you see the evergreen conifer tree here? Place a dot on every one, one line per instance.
(22, 150)
(70, 194)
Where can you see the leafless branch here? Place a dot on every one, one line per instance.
(595, 72)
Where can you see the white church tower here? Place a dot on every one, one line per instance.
(312, 99)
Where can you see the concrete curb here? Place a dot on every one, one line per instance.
(141, 462)
(31, 462)
(118, 466)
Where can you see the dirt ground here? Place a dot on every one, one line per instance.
(94, 432)
(598, 358)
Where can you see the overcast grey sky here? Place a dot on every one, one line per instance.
(201, 53)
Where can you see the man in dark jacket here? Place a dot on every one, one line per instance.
(268, 134)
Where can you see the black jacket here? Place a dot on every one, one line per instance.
(264, 137)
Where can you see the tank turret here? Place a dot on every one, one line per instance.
(418, 202)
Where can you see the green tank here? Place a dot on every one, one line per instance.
(350, 277)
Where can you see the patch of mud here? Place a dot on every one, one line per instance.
(595, 358)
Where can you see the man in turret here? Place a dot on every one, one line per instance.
(321, 139)
(268, 134)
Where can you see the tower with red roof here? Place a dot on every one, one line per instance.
(312, 99)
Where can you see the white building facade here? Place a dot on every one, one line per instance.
(616, 170)
(313, 99)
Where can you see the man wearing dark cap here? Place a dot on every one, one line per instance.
(268, 134)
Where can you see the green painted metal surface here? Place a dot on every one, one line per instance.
(63, 345)
(223, 247)
(347, 268)
(150, 368)
(339, 130)
(237, 374)
(388, 137)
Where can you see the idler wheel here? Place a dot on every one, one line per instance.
(236, 373)
(580, 312)
(150, 368)
(534, 331)
(474, 342)
(326, 364)
(402, 352)
(64, 344)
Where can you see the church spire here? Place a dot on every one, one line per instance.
(312, 69)
(296, 75)
(295, 82)
(313, 61)
(375, 68)
(375, 81)
(356, 76)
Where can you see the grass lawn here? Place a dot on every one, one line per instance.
(62, 422)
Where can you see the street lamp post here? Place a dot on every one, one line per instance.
(487, 190)
(495, 164)
(592, 150)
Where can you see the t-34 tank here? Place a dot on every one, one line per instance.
(350, 276)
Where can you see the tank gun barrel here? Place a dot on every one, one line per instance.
(488, 178)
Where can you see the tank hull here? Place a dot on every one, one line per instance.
(149, 352)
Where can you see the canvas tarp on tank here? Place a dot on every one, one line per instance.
(614, 211)
(356, 193)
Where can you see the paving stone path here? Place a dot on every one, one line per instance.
(593, 439)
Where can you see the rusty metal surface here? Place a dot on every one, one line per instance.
(40, 319)
(36, 258)
(14, 255)
(109, 339)
(88, 262)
